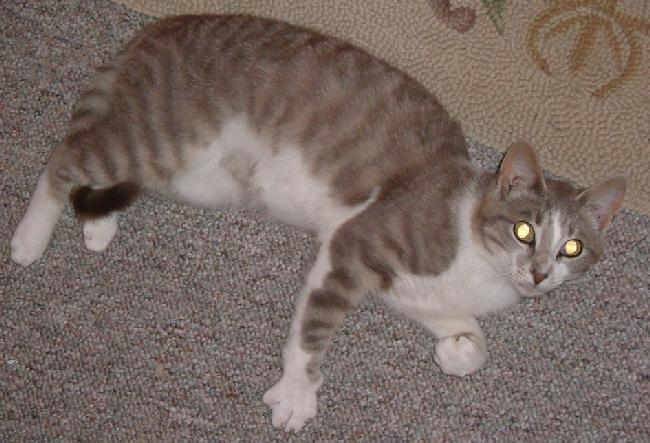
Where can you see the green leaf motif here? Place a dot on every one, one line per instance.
(495, 10)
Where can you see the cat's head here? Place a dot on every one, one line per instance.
(541, 232)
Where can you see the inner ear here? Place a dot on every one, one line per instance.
(604, 200)
(520, 169)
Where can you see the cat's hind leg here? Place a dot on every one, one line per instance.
(95, 165)
(96, 208)
(67, 174)
(99, 233)
(33, 232)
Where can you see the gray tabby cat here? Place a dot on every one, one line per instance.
(220, 110)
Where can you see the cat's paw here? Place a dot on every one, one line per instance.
(99, 232)
(293, 403)
(27, 245)
(460, 355)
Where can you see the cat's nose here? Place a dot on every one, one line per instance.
(538, 277)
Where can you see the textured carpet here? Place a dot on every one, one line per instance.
(174, 333)
(570, 76)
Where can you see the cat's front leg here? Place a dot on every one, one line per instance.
(462, 348)
(293, 398)
(330, 293)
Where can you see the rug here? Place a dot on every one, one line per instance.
(570, 76)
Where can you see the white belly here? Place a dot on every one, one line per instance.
(278, 179)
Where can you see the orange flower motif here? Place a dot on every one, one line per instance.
(587, 19)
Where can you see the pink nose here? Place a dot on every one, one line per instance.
(538, 277)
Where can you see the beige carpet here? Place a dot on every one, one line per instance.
(571, 76)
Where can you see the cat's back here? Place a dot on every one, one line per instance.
(348, 111)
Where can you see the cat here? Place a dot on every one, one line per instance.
(226, 110)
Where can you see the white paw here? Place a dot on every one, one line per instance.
(460, 355)
(293, 403)
(99, 232)
(27, 244)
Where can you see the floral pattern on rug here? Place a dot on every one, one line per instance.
(589, 22)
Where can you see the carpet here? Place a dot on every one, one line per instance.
(174, 333)
(570, 76)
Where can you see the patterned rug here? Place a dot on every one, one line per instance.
(570, 76)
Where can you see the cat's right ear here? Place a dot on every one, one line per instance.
(520, 169)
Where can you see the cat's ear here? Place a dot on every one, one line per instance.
(520, 170)
(604, 199)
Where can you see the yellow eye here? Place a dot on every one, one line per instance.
(524, 232)
(572, 248)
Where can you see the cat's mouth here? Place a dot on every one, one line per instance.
(528, 290)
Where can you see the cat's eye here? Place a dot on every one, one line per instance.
(571, 248)
(524, 232)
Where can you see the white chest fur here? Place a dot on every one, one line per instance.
(471, 286)
(467, 288)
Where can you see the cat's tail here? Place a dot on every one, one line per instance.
(92, 203)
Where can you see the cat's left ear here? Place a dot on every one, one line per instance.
(604, 199)
(520, 169)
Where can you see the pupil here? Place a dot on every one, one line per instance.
(523, 231)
